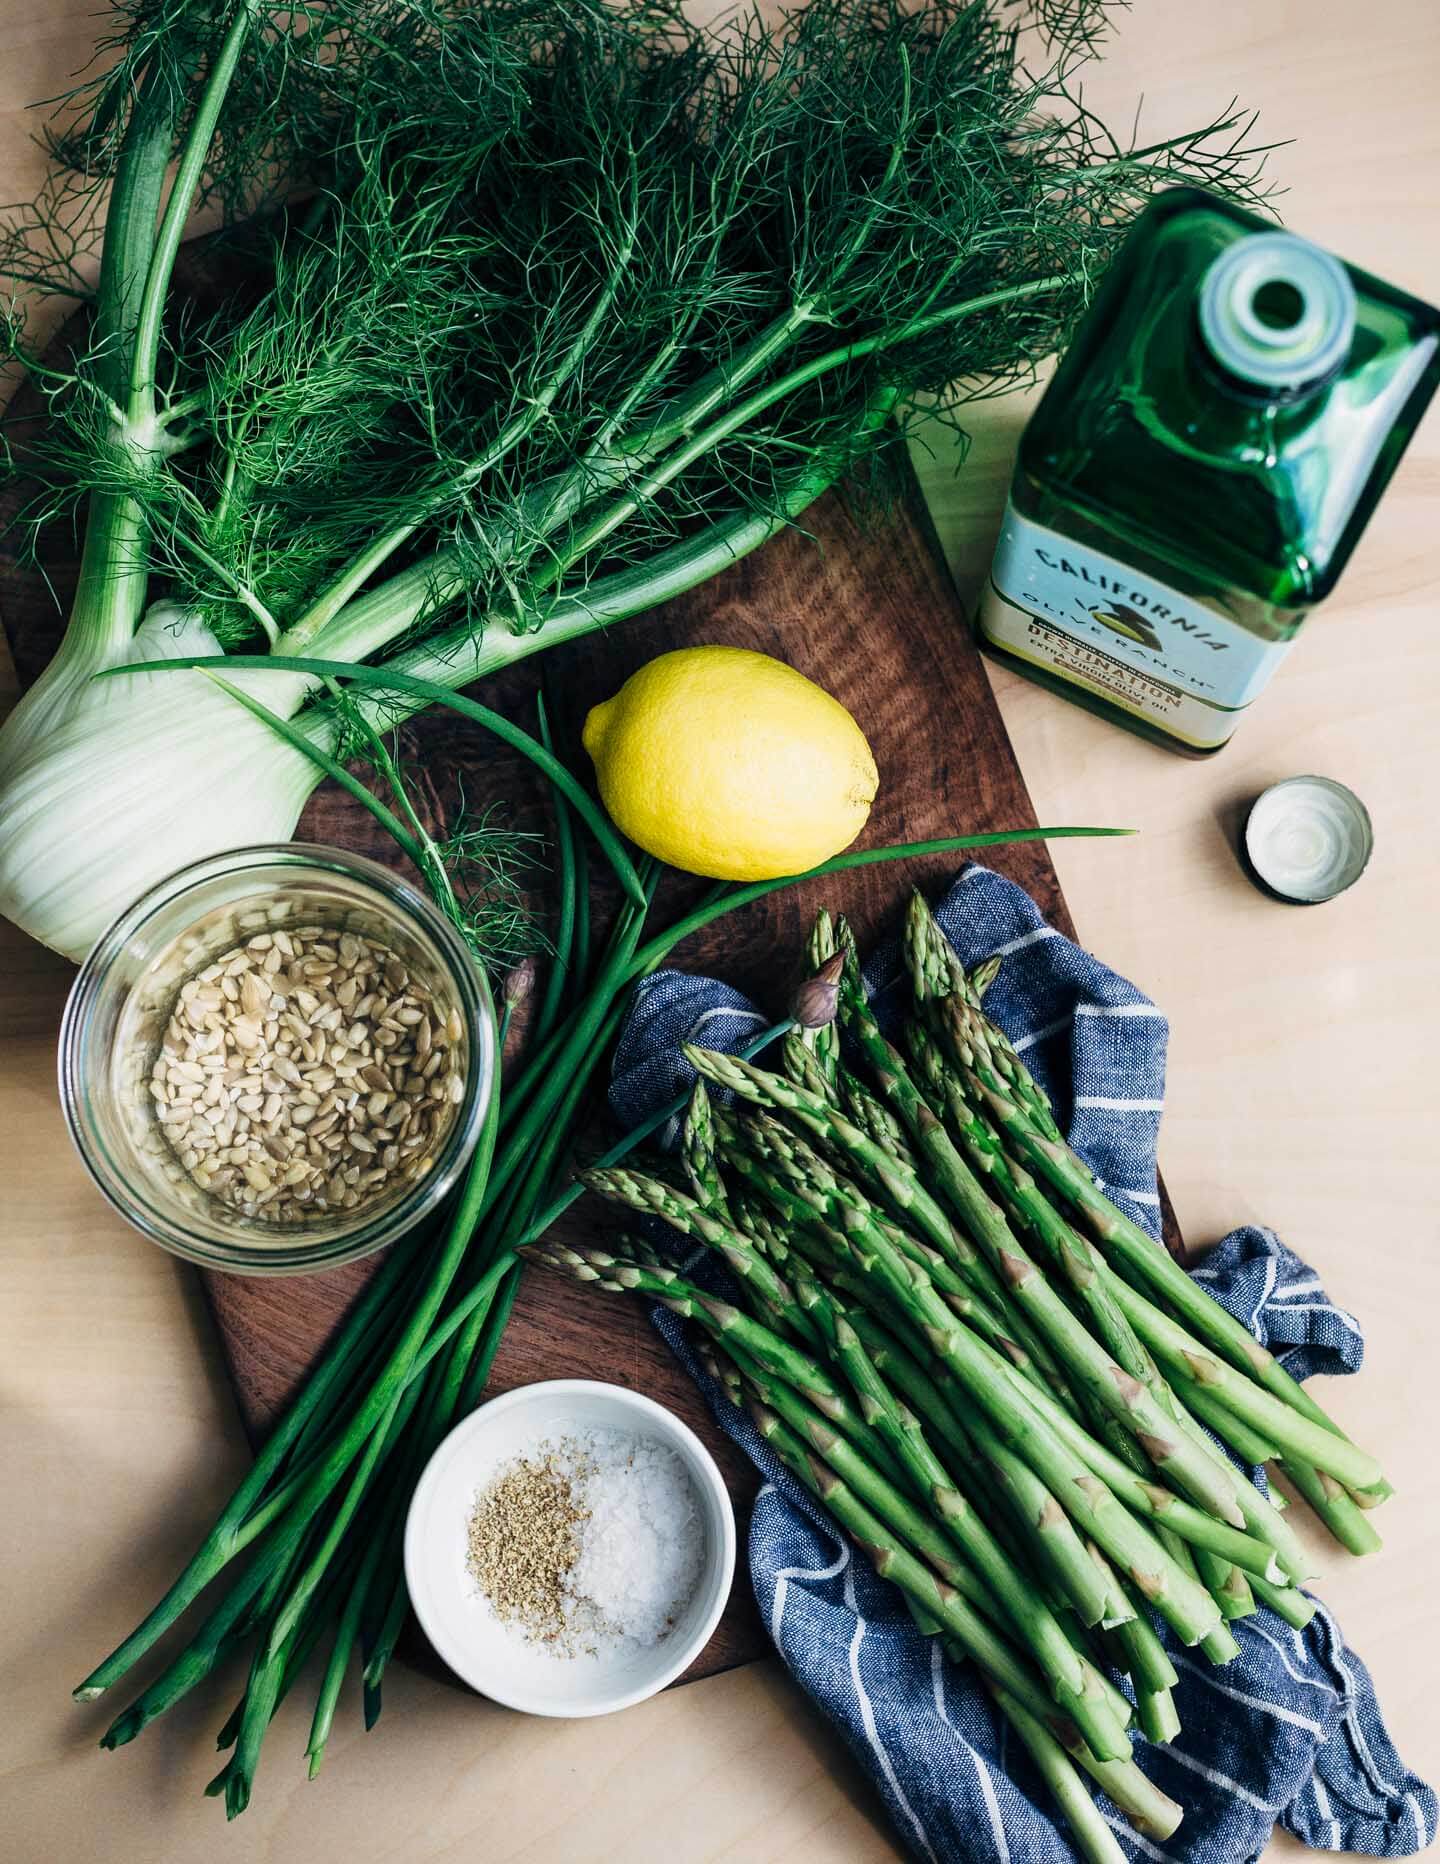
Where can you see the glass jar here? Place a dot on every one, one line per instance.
(127, 990)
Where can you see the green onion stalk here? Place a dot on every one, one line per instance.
(518, 321)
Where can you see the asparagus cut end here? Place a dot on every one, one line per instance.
(1159, 1717)
(1220, 1646)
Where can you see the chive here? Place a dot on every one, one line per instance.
(232, 1532)
(565, 909)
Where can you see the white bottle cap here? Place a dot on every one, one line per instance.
(1308, 839)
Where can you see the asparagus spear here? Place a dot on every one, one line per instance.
(1075, 1686)
(1149, 1810)
(807, 1243)
(939, 1601)
(698, 1149)
(789, 1363)
(875, 1118)
(1219, 1645)
(1141, 1254)
(796, 1177)
(1116, 1387)
(1335, 1506)
(723, 1369)
(903, 1187)
(1008, 1079)
(829, 1126)
(1087, 1825)
(1061, 1549)
(1247, 1444)
(1143, 1653)
(823, 1039)
(1073, 1255)
(1288, 1602)
(937, 976)
(637, 1191)
(1148, 1499)
(1088, 1277)
(1227, 1585)
(1032, 1618)
(967, 1468)
(1250, 1402)
(893, 1362)
(921, 1276)
(914, 1290)
(1257, 1412)
(806, 1069)
(1263, 1516)
(1011, 1413)
(724, 1322)
(1263, 1521)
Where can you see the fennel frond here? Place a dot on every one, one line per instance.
(520, 318)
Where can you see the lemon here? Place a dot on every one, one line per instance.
(730, 764)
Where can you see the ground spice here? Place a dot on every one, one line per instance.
(593, 1543)
(524, 1539)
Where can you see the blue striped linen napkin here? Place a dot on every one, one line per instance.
(1291, 1730)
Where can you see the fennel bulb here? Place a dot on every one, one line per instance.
(107, 786)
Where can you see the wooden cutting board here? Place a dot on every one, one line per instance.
(864, 606)
(861, 603)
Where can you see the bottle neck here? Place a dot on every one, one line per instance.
(1274, 318)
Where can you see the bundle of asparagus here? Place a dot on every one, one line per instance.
(993, 1381)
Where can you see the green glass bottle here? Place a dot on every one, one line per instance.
(1201, 467)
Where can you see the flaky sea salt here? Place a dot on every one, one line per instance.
(641, 1545)
(637, 1542)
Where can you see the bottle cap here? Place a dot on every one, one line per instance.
(1276, 311)
(1307, 839)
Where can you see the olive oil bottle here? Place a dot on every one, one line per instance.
(1201, 467)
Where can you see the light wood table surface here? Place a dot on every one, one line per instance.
(1301, 1095)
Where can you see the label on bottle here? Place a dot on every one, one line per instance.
(1122, 635)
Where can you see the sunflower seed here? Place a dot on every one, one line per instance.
(301, 1072)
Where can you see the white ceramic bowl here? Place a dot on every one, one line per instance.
(493, 1657)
